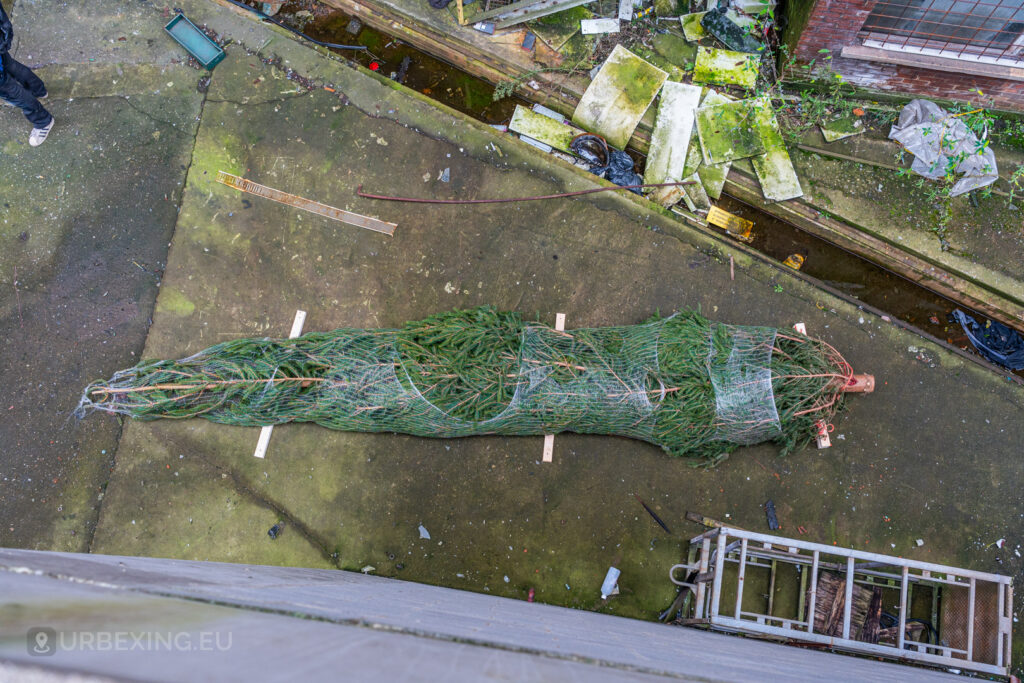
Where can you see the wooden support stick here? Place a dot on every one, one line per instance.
(549, 439)
(265, 432)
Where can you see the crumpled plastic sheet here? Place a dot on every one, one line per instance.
(936, 139)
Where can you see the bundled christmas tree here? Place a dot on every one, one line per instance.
(695, 387)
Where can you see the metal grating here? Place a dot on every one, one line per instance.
(986, 30)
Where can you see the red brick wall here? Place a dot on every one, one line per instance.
(834, 24)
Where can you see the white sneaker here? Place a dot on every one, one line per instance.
(38, 135)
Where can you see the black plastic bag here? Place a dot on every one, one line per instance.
(606, 161)
(995, 341)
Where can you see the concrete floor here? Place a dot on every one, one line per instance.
(932, 455)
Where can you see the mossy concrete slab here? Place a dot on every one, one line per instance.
(728, 131)
(543, 128)
(619, 96)
(841, 126)
(675, 49)
(726, 67)
(676, 74)
(774, 168)
(691, 26)
(712, 176)
(672, 131)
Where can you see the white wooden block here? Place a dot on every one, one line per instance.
(549, 439)
(264, 441)
(625, 10)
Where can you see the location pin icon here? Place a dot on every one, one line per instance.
(42, 640)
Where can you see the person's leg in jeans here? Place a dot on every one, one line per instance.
(20, 87)
(24, 75)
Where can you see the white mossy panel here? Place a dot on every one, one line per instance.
(774, 169)
(713, 175)
(729, 131)
(616, 100)
(543, 128)
(672, 130)
(590, 27)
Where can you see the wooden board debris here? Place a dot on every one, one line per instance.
(270, 193)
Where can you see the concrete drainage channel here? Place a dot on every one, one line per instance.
(830, 267)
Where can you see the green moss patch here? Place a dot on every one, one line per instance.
(726, 67)
(728, 131)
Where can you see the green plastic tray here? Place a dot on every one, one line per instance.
(195, 41)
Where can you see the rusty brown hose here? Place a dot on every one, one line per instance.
(418, 200)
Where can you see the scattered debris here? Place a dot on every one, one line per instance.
(822, 436)
(995, 341)
(445, 175)
(424, 533)
(769, 511)
(738, 228)
(920, 542)
(403, 69)
(942, 144)
(208, 53)
(794, 261)
(275, 530)
(354, 27)
(720, 23)
(609, 109)
(368, 568)
(610, 585)
(612, 164)
(655, 517)
(529, 596)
